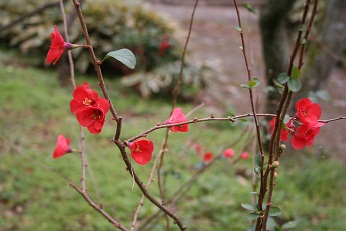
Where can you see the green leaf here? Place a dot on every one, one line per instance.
(254, 83)
(258, 160)
(238, 28)
(244, 85)
(253, 216)
(249, 206)
(274, 211)
(294, 84)
(242, 120)
(324, 95)
(295, 72)
(283, 78)
(125, 56)
(290, 225)
(249, 8)
(251, 84)
(278, 85)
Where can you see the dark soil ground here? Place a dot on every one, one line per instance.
(214, 38)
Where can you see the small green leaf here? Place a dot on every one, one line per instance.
(324, 95)
(294, 84)
(283, 78)
(278, 85)
(290, 225)
(249, 206)
(253, 216)
(242, 120)
(274, 211)
(258, 160)
(238, 28)
(257, 170)
(254, 83)
(295, 72)
(249, 8)
(125, 56)
(244, 85)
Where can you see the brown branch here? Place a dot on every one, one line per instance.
(258, 132)
(194, 121)
(98, 208)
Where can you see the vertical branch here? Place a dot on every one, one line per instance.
(176, 89)
(258, 132)
(286, 100)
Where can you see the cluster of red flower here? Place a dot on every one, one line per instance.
(90, 109)
(307, 116)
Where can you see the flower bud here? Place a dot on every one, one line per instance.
(282, 148)
(275, 164)
(276, 175)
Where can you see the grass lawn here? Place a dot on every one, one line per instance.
(35, 194)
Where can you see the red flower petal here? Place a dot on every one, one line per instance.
(244, 155)
(177, 117)
(228, 153)
(92, 117)
(308, 112)
(141, 151)
(207, 157)
(62, 146)
(83, 96)
(57, 47)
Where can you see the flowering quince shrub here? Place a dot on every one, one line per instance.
(90, 110)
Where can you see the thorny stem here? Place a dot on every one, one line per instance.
(194, 121)
(284, 105)
(258, 133)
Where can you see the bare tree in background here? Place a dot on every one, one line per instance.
(322, 55)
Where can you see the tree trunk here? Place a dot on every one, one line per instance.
(275, 44)
(324, 51)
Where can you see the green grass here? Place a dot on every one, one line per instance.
(34, 196)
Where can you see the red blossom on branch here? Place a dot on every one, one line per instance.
(57, 47)
(83, 96)
(228, 153)
(93, 117)
(244, 155)
(284, 132)
(308, 112)
(177, 117)
(207, 157)
(141, 151)
(305, 135)
(62, 147)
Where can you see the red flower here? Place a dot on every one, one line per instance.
(141, 151)
(308, 112)
(207, 157)
(57, 47)
(62, 147)
(83, 96)
(244, 155)
(284, 132)
(177, 117)
(305, 135)
(228, 153)
(93, 117)
(164, 45)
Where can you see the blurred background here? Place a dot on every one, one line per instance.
(34, 109)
